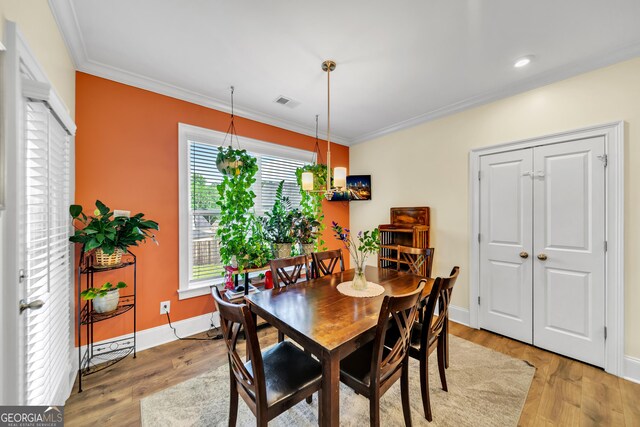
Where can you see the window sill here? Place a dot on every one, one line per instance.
(197, 290)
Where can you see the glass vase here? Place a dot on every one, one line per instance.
(359, 280)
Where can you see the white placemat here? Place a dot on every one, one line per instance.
(372, 290)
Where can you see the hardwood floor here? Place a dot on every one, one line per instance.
(563, 391)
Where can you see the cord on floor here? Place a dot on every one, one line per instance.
(210, 336)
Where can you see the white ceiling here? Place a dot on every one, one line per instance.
(400, 62)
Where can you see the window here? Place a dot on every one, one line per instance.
(200, 263)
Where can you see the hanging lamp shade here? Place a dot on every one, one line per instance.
(340, 177)
(307, 181)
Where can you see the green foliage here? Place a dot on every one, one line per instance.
(277, 222)
(92, 293)
(360, 247)
(304, 228)
(311, 204)
(259, 251)
(204, 196)
(108, 233)
(236, 203)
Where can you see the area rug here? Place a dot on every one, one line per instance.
(486, 388)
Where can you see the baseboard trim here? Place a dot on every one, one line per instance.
(459, 314)
(631, 369)
(163, 334)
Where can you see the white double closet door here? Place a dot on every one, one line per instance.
(542, 247)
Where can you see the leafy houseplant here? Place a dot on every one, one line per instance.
(311, 204)
(230, 161)
(110, 236)
(105, 298)
(359, 248)
(236, 202)
(277, 224)
(305, 231)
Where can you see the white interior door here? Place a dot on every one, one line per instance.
(569, 224)
(505, 244)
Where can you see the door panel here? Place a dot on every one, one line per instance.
(569, 209)
(505, 228)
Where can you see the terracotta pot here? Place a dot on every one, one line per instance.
(107, 303)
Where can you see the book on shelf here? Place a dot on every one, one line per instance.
(233, 294)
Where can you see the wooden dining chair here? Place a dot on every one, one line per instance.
(269, 382)
(324, 263)
(419, 260)
(432, 334)
(373, 368)
(287, 271)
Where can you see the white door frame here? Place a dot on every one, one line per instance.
(613, 134)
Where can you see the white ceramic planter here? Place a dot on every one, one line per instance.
(107, 303)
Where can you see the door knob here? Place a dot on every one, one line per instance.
(542, 257)
(33, 305)
(524, 255)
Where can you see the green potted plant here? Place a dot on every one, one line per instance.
(305, 231)
(311, 203)
(105, 298)
(229, 161)
(277, 224)
(236, 203)
(109, 236)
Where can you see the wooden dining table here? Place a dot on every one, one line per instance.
(328, 324)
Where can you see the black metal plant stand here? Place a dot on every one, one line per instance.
(96, 357)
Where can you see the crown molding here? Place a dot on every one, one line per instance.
(570, 70)
(132, 79)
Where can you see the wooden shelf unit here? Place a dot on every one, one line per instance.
(409, 227)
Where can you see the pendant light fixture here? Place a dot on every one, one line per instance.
(339, 173)
(307, 177)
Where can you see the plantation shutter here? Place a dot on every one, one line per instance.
(45, 230)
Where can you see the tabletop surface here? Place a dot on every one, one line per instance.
(318, 311)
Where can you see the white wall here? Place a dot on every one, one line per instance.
(427, 165)
(36, 22)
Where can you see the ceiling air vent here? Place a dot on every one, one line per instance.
(283, 100)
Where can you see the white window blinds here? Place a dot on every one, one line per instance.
(45, 231)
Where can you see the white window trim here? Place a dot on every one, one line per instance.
(186, 133)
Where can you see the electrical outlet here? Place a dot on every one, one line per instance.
(165, 307)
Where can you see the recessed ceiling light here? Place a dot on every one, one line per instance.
(522, 62)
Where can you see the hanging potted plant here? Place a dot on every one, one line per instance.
(311, 203)
(105, 298)
(305, 231)
(236, 202)
(277, 224)
(109, 236)
(229, 160)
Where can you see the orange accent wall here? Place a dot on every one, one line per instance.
(127, 156)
